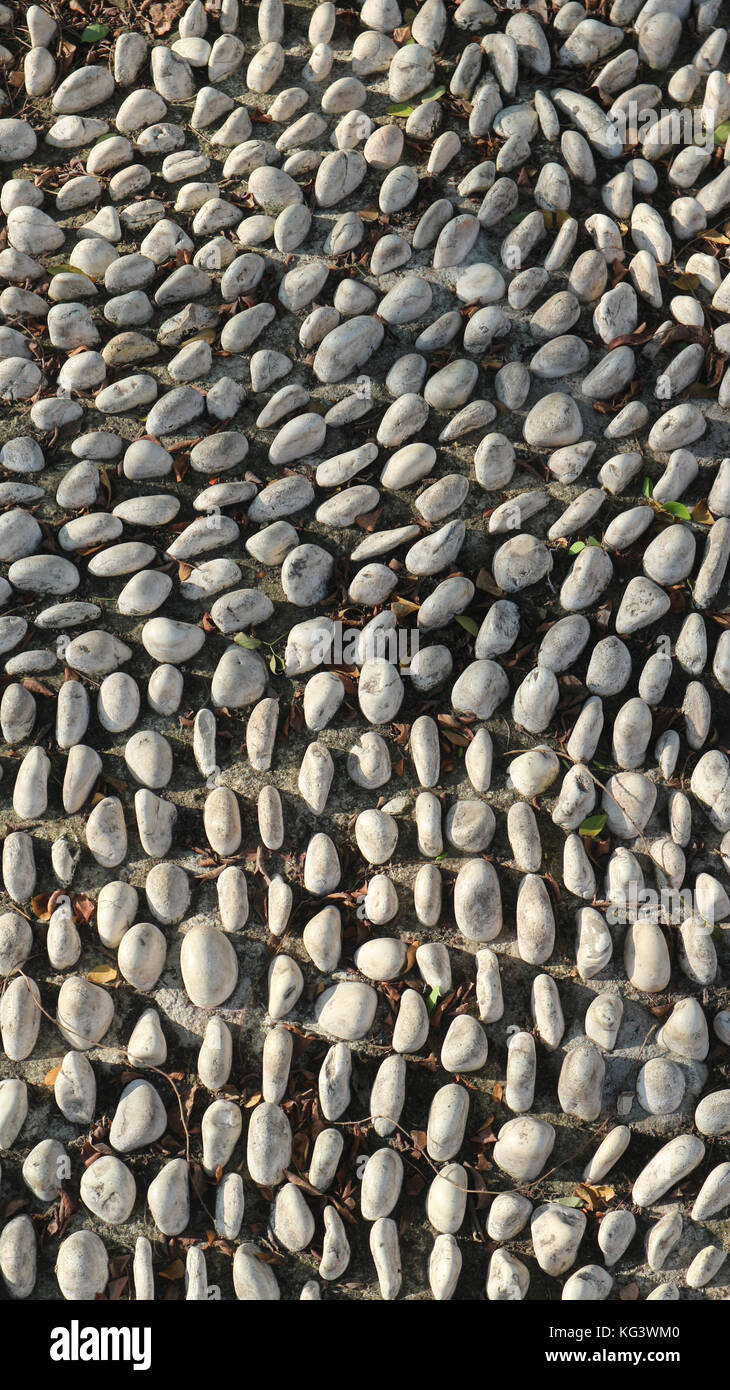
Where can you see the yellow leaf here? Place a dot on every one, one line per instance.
(702, 514)
(207, 335)
(253, 1100)
(687, 282)
(593, 1196)
(50, 1076)
(174, 1271)
(402, 607)
(410, 957)
(487, 582)
(369, 214)
(104, 976)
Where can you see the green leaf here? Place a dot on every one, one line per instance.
(468, 624)
(432, 999)
(647, 489)
(593, 825)
(676, 509)
(602, 767)
(576, 547)
(406, 109)
(242, 639)
(276, 664)
(434, 94)
(569, 1202)
(592, 541)
(93, 32)
(63, 269)
(722, 132)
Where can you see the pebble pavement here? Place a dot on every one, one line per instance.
(364, 540)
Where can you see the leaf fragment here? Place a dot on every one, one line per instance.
(594, 1197)
(593, 825)
(103, 976)
(433, 94)
(432, 998)
(63, 268)
(402, 607)
(677, 509)
(94, 32)
(688, 280)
